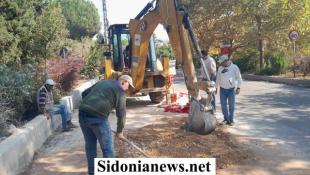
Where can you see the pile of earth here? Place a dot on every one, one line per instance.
(170, 140)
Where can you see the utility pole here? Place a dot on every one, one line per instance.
(105, 21)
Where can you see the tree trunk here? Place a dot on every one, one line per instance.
(260, 42)
(261, 53)
(231, 42)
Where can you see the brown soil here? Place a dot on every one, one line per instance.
(169, 140)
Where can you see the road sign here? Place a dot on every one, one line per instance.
(293, 35)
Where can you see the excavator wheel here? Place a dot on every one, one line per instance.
(156, 97)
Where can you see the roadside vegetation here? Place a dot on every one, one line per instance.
(34, 31)
(257, 31)
(32, 34)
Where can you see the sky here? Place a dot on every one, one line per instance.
(121, 11)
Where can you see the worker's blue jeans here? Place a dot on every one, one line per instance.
(63, 111)
(94, 129)
(228, 94)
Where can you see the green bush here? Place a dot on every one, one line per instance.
(265, 71)
(93, 66)
(277, 64)
(247, 60)
(81, 47)
(17, 93)
(165, 50)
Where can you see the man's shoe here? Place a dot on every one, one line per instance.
(224, 122)
(71, 125)
(67, 129)
(230, 123)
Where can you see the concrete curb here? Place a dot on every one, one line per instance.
(302, 83)
(17, 151)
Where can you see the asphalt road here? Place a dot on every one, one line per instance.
(278, 112)
(272, 121)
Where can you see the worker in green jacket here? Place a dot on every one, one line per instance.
(93, 116)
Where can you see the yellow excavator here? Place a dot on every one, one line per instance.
(132, 52)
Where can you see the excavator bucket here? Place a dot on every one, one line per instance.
(200, 120)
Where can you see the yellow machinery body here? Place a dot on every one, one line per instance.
(173, 15)
(140, 30)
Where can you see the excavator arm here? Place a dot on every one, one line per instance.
(174, 17)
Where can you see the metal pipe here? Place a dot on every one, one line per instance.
(188, 26)
(133, 145)
(145, 9)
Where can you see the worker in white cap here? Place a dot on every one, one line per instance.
(94, 111)
(47, 107)
(229, 81)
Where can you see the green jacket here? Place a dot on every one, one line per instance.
(102, 98)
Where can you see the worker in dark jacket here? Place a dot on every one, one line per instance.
(93, 116)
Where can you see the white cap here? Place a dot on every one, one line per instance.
(50, 82)
(127, 78)
(223, 58)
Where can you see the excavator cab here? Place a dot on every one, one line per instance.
(119, 38)
(120, 44)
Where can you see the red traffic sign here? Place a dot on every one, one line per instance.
(293, 35)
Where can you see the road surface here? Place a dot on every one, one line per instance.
(272, 120)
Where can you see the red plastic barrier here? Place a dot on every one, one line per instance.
(177, 108)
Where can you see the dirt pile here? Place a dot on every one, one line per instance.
(170, 140)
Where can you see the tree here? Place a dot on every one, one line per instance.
(51, 32)
(302, 24)
(262, 24)
(82, 17)
(268, 22)
(92, 68)
(205, 16)
(17, 24)
(30, 30)
(219, 22)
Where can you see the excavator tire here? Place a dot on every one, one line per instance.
(199, 120)
(156, 97)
